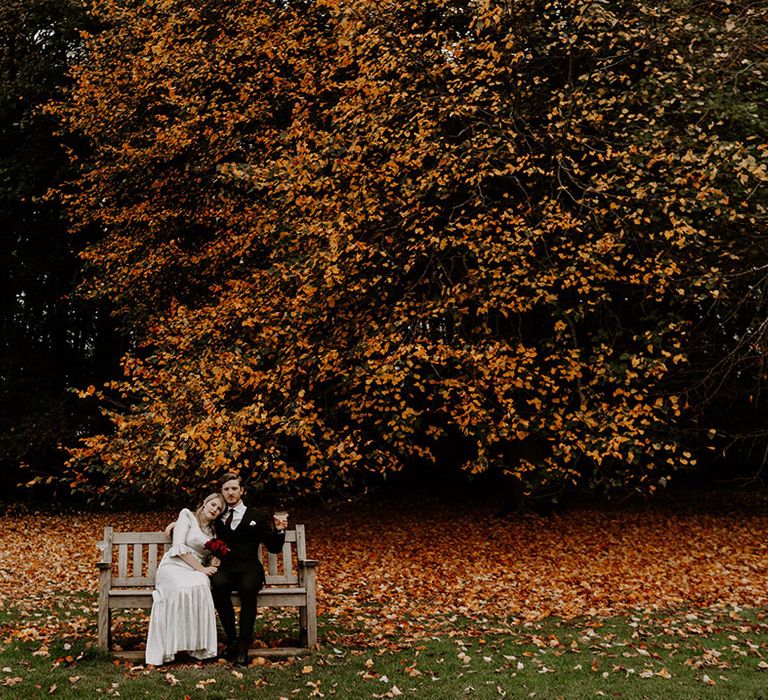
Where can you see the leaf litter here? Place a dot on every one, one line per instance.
(399, 573)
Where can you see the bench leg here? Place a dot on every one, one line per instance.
(307, 629)
(303, 642)
(104, 631)
(312, 630)
(105, 628)
(311, 610)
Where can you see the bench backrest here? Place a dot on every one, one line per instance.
(134, 557)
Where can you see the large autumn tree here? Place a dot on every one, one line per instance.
(352, 237)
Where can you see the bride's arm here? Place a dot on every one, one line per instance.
(181, 549)
(193, 561)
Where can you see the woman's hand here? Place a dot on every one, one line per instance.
(210, 570)
(215, 561)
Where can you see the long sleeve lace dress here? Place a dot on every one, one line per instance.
(183, 616)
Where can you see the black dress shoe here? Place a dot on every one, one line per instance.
(242, 657)
(230, 652)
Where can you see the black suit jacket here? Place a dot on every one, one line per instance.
(254, 529)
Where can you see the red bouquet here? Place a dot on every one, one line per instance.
(217, 547)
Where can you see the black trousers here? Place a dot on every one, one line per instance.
(247, 584)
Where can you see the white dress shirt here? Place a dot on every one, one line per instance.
(237, 515)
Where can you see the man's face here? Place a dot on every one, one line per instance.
(232, 492)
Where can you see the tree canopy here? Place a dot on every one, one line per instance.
(352, 237)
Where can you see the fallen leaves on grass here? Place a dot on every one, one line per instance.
(389, 572)
(407, 572)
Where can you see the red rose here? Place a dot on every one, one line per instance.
(217, 547)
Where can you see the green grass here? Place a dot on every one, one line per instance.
(688, 654)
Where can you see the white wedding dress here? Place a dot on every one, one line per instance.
(183, 617)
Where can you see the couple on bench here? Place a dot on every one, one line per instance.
(190, 582)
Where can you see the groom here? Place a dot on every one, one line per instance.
(243, 529)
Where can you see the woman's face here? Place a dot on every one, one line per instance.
(212, 509)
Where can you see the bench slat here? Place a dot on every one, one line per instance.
(133, 582)
(122, 560)
(288, 598)
(134, 600)
(142, 537)
(160, 538)
(152, 560)
(301, 543)
(287, 560)
(137, 559)
(148, 588)
(126, 598)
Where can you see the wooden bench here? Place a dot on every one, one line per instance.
(127, 577)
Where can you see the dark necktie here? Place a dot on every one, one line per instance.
(228, 521)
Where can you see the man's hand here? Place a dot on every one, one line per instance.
(215, 561)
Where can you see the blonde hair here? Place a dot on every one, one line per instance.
(199, 511)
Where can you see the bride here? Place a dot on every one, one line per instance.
(183, 617)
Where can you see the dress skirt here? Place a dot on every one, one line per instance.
(183, 616)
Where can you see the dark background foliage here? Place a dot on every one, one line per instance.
(50, 340)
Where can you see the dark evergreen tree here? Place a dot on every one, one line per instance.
(49, 339)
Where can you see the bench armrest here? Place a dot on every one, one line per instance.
(105, 552)
(308, 563)
(103, 565)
